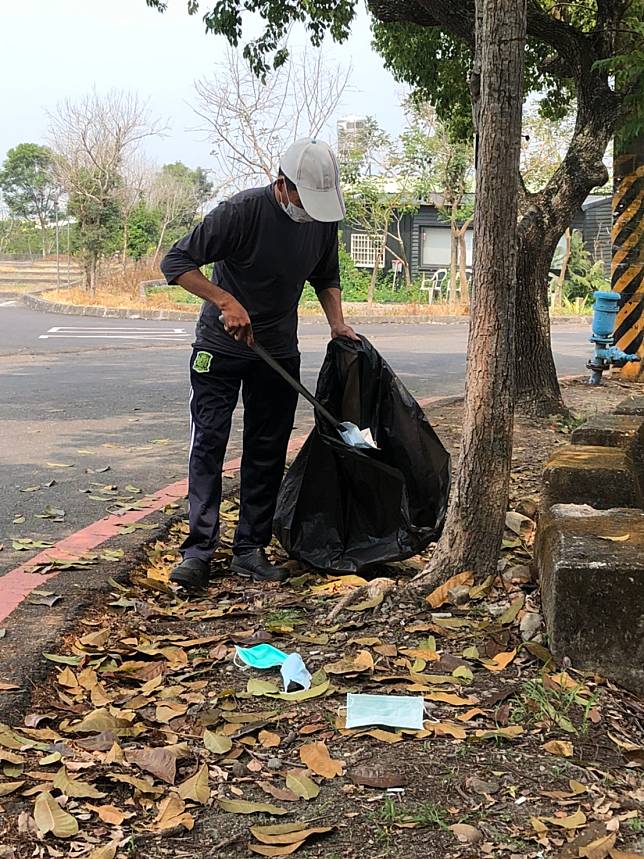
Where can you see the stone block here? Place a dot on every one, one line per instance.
(632, 405)
(592, 589)
(603, 477)
(608, 430)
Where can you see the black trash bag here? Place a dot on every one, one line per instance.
(345, 509)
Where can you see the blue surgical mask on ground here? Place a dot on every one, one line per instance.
(261, 656)
(294, 670)
(395, 711)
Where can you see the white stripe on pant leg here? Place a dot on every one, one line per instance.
(192, 438)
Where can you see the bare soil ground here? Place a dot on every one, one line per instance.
(149, 740)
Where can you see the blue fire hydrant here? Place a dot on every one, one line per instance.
(606, 355)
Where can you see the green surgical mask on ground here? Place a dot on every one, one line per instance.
(261, 656)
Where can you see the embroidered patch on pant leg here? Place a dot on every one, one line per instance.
(202, 362)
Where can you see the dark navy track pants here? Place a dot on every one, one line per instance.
(269, 410)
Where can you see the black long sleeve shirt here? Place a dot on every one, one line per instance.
(263, 258)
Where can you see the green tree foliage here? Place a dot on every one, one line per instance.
(144, 225)
(583, 274)
(429, 45)
(29, 186)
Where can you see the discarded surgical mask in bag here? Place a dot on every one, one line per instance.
(294, 670)
(395, 711)
(261, 656)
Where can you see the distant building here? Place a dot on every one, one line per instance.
(426, 237)
(349, 129)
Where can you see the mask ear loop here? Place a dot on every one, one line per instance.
(427, 714)
(243, 666)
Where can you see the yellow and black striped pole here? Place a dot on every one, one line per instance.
(627, 238)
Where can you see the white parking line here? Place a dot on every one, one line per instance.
(90, 332)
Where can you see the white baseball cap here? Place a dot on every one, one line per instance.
(311, 165)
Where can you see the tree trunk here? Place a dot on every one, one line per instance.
(453, 252)
(471, 539)
(125, 244)
(376, 268)
(90, 265)
(462, 261)
(159, 243)
(558, 302)
(537, 386)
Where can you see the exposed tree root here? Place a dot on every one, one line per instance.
(374, 590)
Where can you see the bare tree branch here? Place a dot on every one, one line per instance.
(250, 122)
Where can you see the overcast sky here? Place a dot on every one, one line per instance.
(57, 49)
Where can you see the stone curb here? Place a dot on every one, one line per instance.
(45, 306)
(41, 304)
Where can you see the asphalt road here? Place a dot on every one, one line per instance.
(78, 394)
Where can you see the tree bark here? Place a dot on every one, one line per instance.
(544, 218)
(537, 385)
(471, 539)
(453, 252)
(462, 261)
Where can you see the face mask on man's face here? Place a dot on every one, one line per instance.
(296, 213)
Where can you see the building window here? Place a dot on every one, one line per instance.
(364, 250)
(436, 245)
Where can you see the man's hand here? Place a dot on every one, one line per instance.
(237, 322)
(343, 330)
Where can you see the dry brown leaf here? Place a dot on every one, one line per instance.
(98, 722)
(8, 787)
(287, 833)
(420, 653)
(280, 793)
(377, 776)
(160, 762)
(571, 821)
(219, 744)
(441, 595)
(448, 729)
(317, 758)
(276, 849)
(470, 714)
(362, 661)
(73, 788)
(447, 698)
(301, 785)
(384, 736)
(169, 710)
(50, 817)
(511, 612)
(500, 661)
(106, 852)
(559, 747)
(599, 848)
(465, 833)
(242, 806)
(95, 639)
(509, 732)
(110, 814)
(140, 784)
(196, 788)
(171, 814)
(268, 740)
(387, 650)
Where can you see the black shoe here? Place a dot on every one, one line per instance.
(253, 564)
(192, 573)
